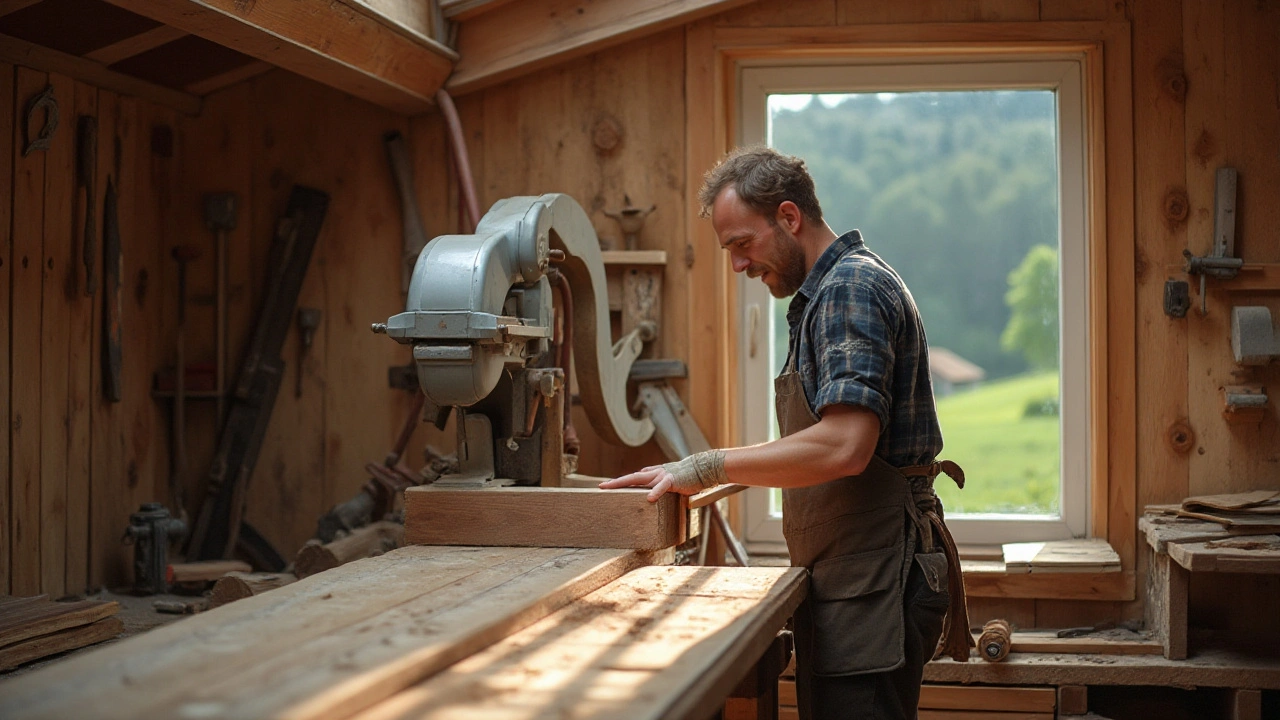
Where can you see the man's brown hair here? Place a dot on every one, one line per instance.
(763, 178)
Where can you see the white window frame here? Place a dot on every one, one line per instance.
(1065, 76)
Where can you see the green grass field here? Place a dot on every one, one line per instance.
(1010, 460)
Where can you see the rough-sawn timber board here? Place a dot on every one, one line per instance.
(324, 647)
(543, 517)
(661, 642)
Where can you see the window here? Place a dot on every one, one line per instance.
(969, 178)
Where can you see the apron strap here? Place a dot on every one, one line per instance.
(926, 510)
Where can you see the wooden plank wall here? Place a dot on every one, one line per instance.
(74, 465)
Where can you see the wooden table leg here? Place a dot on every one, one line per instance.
(756, 697)
(1167, 589)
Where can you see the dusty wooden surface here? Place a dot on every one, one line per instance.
(661, 642)
(326, 646)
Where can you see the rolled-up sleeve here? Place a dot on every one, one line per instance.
(852, 334)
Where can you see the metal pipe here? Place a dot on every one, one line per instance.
(462, 163)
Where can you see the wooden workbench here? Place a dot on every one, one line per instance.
(431, 631)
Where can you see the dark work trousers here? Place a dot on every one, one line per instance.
(891, 695)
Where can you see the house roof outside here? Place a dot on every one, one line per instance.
(953, 368)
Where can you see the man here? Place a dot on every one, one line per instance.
(857, 456)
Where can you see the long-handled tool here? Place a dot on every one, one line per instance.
(183, 254)
(112, 306)
(220, 218)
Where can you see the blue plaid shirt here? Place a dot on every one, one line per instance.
(857, 339)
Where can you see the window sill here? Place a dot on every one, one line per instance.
(988, 579)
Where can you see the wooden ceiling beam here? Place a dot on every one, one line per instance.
(21, 52)
(135, 45)
(522, 37)
(341, 44)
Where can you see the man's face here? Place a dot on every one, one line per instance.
(758, 245)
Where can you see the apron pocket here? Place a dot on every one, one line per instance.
(857, 612)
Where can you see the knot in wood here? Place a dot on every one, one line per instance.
(1172, 78)
(1176, 205)
(606, 135)
(1181, 437)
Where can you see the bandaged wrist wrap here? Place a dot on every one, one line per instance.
(698, 472)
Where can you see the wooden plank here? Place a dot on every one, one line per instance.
(1256, 554)
(459, 10)
(8, 114)
(1162, 212)
(1246, 704)
(26, 365)
(1076, 9)
(1208, 668)
(1001, 699)
(331, 43)
(80, 378)
(1073, 700)
(980, 715)
(634, 257)
(711, 387)
(529, 36)
(205, 570)
(1114, 375)
(1062, 586)
(715, 494)
(1166, 605)
(50, 617)
(135, 45)
(109, 561)
(1061, 556)
(1042, 642)
(870, 11)
(231, 77)
(21, 52)
(61, 260)
(661, 642)
(61, 641)
(542, 517)
(328, 645)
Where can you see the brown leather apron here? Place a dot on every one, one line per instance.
(859, 536)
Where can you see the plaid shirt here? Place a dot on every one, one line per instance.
(857, 339)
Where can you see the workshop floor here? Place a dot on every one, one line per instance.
(136, 612)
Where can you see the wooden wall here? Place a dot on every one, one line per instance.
(74, 464)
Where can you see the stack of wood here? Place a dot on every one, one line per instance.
(35, 627)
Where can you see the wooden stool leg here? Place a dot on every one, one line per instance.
(1167, 588)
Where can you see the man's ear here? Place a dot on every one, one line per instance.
(790, 217)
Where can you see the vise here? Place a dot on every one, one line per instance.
(480, 319)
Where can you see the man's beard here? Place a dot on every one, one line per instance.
(787, 265)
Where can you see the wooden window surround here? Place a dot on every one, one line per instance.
(713, 56)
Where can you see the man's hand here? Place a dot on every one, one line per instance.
(654, 476)
(691, 475)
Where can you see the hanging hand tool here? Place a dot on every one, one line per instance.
(183, 254)
(86, 170)
(112, 307)
(308, 321)
(220, 218)
(42, 139)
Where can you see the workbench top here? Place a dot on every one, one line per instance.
(428, 631)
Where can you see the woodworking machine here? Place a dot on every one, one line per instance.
(480, 318)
